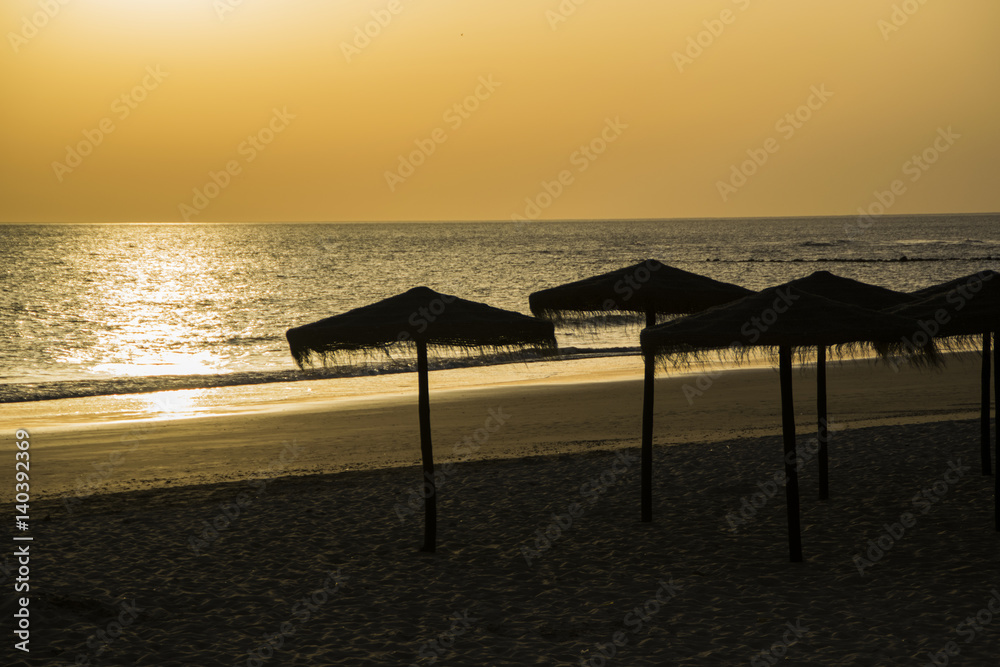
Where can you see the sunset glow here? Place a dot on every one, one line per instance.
(259, 110)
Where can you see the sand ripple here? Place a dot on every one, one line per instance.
(479, 602)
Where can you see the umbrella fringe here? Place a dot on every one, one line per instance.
(685, 356)
(964, 343)
(591, 318)
(598, 320)
(419, 315)
(343, 354)
(613, 316)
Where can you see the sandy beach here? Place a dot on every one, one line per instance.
(261, 260)
(107, 444)
(280, 525)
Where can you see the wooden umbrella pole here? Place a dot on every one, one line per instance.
(646, 455)
(426, 451)
(822, 435)
(791, 455)
(984, 418)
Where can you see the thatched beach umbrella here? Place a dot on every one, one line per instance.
(418, 318)
(965, 310)
(856, 293)
(784, 319)
(648, 288)
(948, 296)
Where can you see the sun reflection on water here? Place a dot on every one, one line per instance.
(174, 404)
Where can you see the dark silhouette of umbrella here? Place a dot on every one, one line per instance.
(649, 288)
(854, 292)
(966, 310)
(420, 318)
(948, 296)
(785, 319)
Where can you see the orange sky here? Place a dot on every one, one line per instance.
(120, 110)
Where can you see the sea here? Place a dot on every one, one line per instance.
(116, 307)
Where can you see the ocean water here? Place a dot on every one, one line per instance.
(87, 303)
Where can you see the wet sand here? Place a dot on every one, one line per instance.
(109, 444)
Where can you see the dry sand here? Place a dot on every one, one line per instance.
(688, 589)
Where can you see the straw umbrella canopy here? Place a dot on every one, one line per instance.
(965, 310)
(648, 288)
(417, 319)
(979, 289)
(785, 319)
(854, 292)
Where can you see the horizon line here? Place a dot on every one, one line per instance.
(490, 221)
